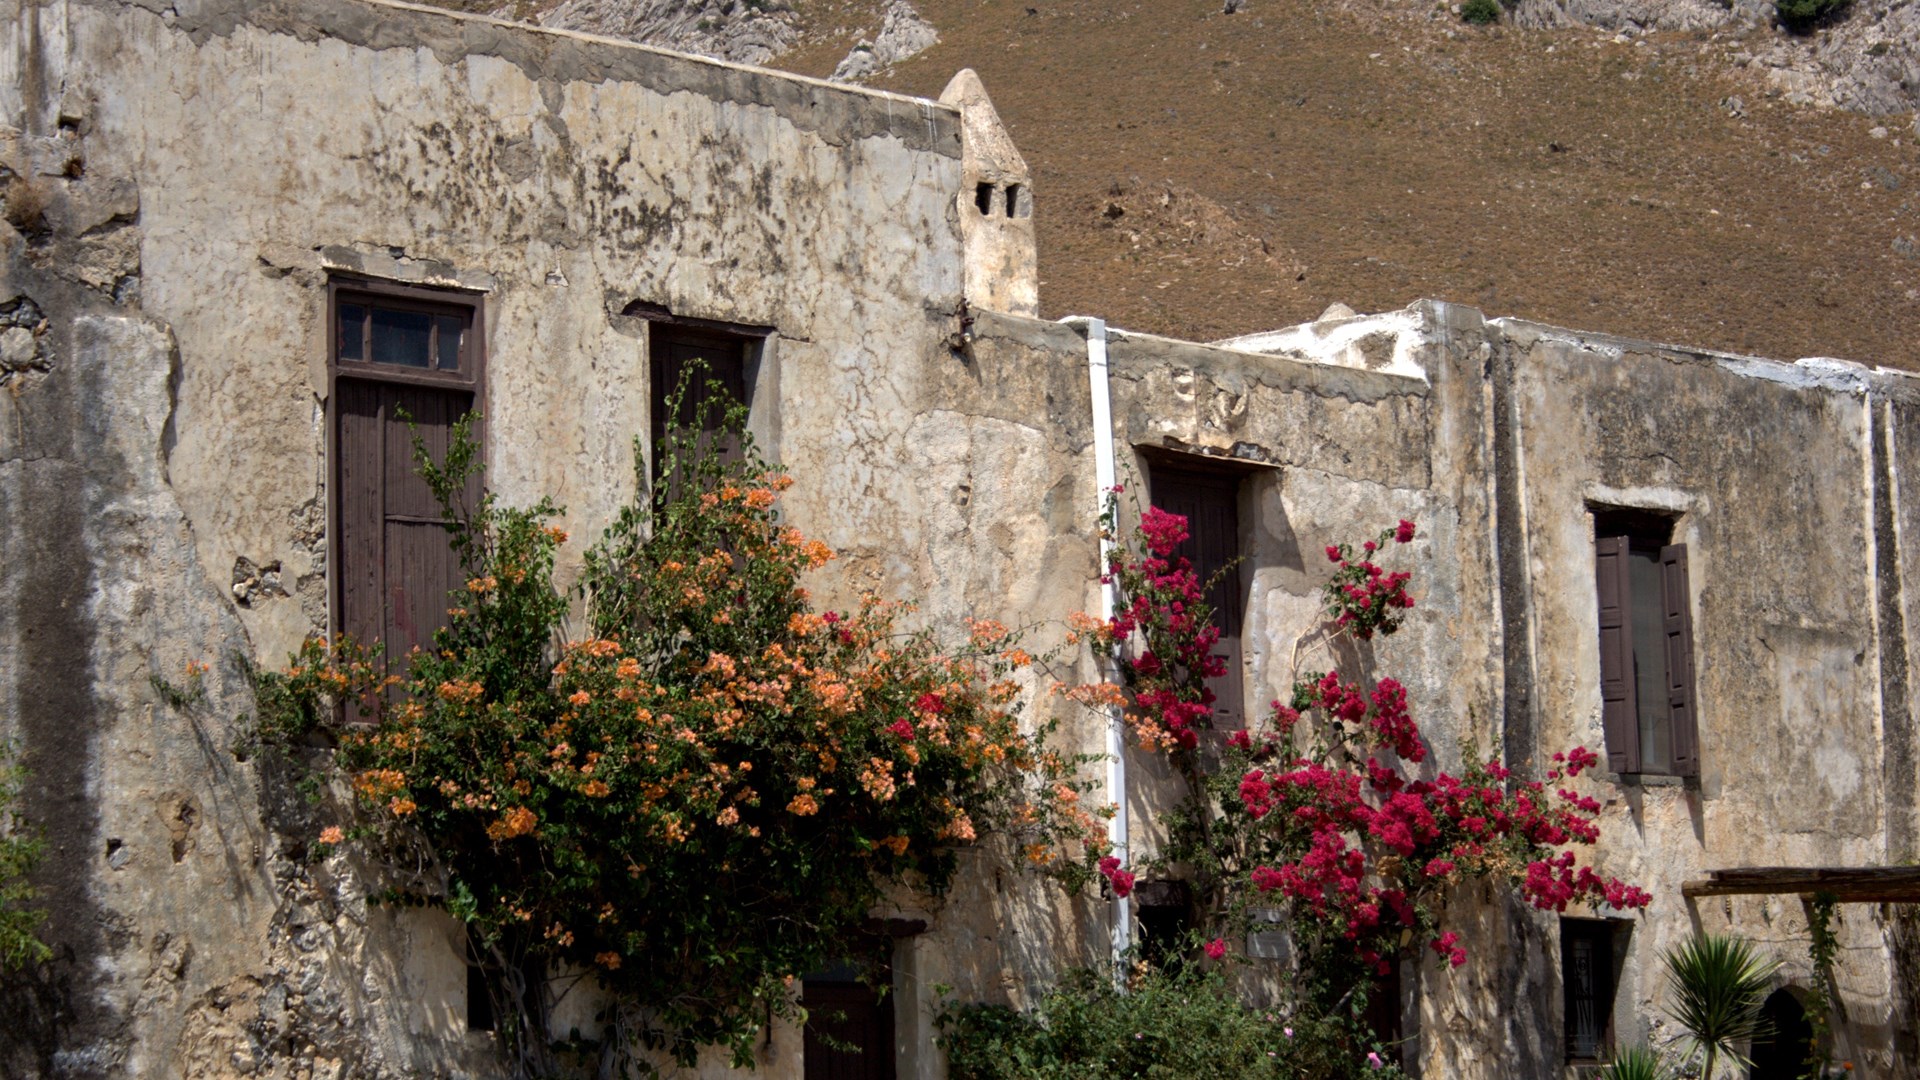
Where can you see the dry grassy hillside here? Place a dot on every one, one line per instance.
(1596, 185)
(1202, 174)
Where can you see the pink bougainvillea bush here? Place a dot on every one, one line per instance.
(1327, 808)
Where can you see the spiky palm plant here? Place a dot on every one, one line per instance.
(1636, 1063)
(1719, 984)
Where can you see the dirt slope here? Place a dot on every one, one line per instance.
(1203, 175)
(1550, 174)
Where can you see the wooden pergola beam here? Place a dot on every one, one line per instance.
(1855, 885)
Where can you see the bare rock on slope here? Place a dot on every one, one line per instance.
(902, 34)
(1867, 58)
(743, 31)
(1639, 14)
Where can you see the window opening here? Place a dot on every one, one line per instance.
(1646, 644)
(1210, 501)
(1014, 194)
(983, 198)
(677, 349)
(1163, 911)
(1588, 980)
(398, 332)
(405, 361)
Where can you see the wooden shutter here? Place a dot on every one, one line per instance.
(1618, 714)
(1677, 631)
(673, 351)
(1210, 501)
(396, 561)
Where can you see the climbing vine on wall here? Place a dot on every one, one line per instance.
(20, 850)
(1822, 948)
(702, 794)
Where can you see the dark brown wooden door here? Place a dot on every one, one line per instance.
(857, 1018)
(397, 564)
(400, 354)
(677, 351)
(1210, 501)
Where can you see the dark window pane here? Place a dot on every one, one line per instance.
(353, 319)
(401, 337)
(448, 343)
(1650, 662)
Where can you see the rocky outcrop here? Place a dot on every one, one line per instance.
(1866, 58)
(743, 31)
(903, 33)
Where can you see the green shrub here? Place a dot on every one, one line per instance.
(1167, 1025)
(1480, 12)
(20, 849)
(1636, 1063)
(704, 792)
(1800, 13)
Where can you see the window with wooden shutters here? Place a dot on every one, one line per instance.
(404, 361)
(1209, 498)
(1646, 645)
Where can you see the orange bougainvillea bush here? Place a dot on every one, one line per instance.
(703, 793)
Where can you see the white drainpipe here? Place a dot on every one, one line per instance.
(1104, 479)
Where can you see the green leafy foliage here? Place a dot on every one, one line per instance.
(20, 850)
(1719, 984)
(1480, 12)
(1167, 1025)
(702, 797)
(1822, 948)
(1636, 1063)
(1797, 14)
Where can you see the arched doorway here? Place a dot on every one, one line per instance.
(1782, 1055)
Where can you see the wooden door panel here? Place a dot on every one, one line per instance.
(394, 559)
(1210, 503)
(855, 1016)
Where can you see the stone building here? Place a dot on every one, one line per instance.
(239, 234)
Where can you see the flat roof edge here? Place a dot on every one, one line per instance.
(551, 53)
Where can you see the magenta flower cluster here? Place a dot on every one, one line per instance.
(1363, 596)
(1369, 838)
(1327, 814)
(1163, 600)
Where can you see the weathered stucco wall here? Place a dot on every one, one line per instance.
(1800, 538)
(181, 180)
(1768, 471)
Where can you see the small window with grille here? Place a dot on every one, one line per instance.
(1588, 979)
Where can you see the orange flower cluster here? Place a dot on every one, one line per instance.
(516, 822)
(711, 728)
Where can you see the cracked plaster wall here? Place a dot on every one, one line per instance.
(163, 443)
(181, 180)
(1804, 730)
